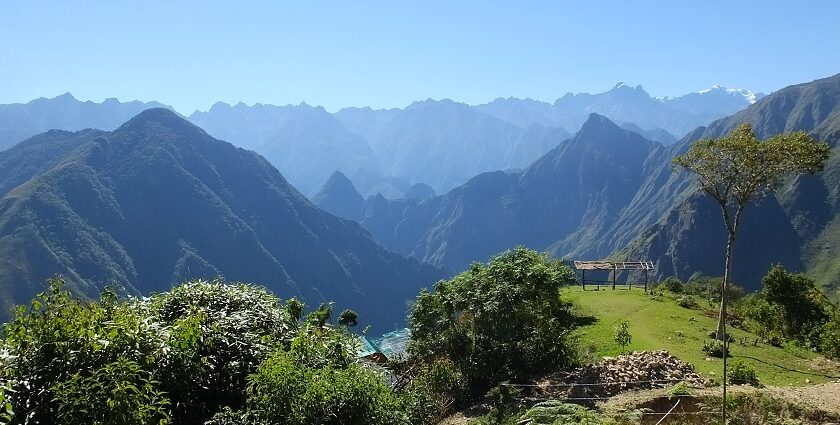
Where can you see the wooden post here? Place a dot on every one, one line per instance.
(583, 279)
(614, 273)
(646, 278)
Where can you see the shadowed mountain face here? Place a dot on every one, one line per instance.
(20, 121)
(158, 201)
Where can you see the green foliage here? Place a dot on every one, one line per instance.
(498, 321)
(763, 318)
(742, 374)
(830, 337)
(622, 334)
(687, 301)
(714, 348)
(432, 392)
(218, 334)
(672, 283)
(283, 390)
(804, 308)
(559, 413)
(118, 393)
(709, 288)
(680, 389)
(738, 167)
(182, 353)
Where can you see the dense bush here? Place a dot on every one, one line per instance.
(672, 283)
(435, 388)
(181, 356)
(713, 348)
(742, 374)
(497, 322)
(286, 391)
(709, 288)
(804, 308)
(830, 337)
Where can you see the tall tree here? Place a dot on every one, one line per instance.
(739, 168)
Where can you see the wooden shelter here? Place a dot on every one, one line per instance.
(614, 267)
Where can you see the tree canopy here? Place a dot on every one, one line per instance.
(498, 321)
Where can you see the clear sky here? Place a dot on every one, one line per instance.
(190, 54)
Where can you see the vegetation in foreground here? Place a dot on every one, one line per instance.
(222, 354)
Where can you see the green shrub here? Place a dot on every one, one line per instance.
(802, 306)
(286, 391)
(118, 393)
(559, 413)
(435, 388)
(181, 354)
(713, 348)
(672, 284)
(498, 321)
(830, 337)
(687, 301)
(742, 374)
(680, 389)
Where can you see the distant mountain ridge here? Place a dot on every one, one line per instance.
(609, 192)
(626, 104)
(19, 121)
(158, 200)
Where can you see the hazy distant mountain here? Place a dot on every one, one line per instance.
(608, 191)
(657, 134)
(158, 201)
(444, 143)
(340, 198)
(569, 193)
(625, 104)
(307, 144)
(19, 121)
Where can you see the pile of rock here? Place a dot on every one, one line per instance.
(640, 370)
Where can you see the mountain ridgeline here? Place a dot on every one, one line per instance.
(609, 192)
(158, 201)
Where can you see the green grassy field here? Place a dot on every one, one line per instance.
(661, 324)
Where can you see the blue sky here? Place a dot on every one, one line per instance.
(389, 53)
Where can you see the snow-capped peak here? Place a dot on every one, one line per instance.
(746, 94)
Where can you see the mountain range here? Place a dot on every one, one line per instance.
(158, 201)
(439, 143)
(610, 192)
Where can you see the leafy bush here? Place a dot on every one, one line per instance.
(743, 374)
(497, 322)
(181, 354)
(680, 389)
(286, 391)
(710, 288)
(687, 301)
(830, 337)
(803, 307)
(763, 318)
(118, 393)
(672, 284)
(432, 392)
(714, 348)
(559, 413)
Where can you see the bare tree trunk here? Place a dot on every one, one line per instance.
(727, 276)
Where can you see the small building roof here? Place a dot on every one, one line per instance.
(614, 265)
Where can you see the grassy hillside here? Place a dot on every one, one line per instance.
(660, 323)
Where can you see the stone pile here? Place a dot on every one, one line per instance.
(640, 370)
